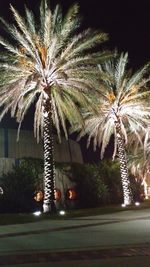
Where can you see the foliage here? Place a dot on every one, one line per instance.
(20, 185)
(47, 56)
(139, 155)
(34, 167)
(91, 189)
(96, 184)
(100, 183)
(121, 107)
(19, 188)
(122, 98)
(110, 174)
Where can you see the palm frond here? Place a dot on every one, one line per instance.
(22, 25)
(70, 22)
(107, 133)
(9, 47)
(91, 40)
(136, 78)
(30, 20)
(120, 69)
(57, 20)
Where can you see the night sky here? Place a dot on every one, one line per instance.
(126, 22)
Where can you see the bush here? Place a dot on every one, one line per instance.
(91, 190)
(110, 173)
(98, 184)
(19, 186)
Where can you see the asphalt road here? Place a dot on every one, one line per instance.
(104, 240)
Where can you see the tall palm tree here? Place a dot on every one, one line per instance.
(48, 62)
(120, 107)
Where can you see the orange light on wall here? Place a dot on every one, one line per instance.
(39, 196)
(72, 194)
(57, 194)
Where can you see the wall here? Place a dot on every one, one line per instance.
(11, 150)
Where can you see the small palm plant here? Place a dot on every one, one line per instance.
(48, 62)
(120, 107)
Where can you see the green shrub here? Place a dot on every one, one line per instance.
(18, 190)
(19, 186)
(91, 190)
(110, 174)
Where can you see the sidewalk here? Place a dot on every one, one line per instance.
(108, 257)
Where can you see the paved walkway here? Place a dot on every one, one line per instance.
(88, 241)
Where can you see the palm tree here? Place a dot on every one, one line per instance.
(47, 61)
(140, 170)
(120, 107)
(139, 160)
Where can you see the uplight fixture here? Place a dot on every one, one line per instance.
(37, 213)
(62, 212)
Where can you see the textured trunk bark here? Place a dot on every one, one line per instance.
(127, 194)
(49, 169)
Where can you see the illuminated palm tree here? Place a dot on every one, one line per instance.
(139, 167)
(48, 62)
(121, 107)
(139, 160)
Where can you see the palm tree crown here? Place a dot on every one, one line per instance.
(121, 97)
(46, 56)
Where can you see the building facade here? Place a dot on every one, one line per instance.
(27, 147)
(68, 151)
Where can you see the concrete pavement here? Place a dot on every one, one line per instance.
(122, 236)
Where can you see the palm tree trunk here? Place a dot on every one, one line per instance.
(49, 169)
(127, 194)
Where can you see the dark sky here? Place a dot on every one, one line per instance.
(126, 22)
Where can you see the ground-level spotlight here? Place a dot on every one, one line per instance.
(123, 205)
(37, 213)
(137, 204)
(62, 212)
(1, 191)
